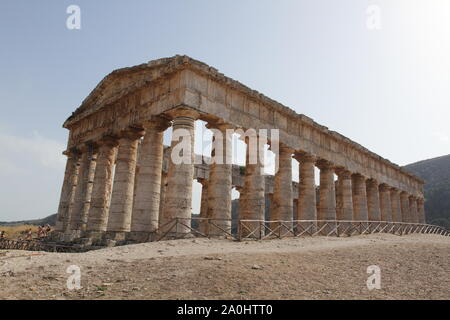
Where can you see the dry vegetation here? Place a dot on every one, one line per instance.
(413, 267)
(14, 232)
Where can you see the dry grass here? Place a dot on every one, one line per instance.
(13, 232)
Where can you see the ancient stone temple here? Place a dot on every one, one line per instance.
(119, 185)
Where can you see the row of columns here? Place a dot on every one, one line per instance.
(95, 200)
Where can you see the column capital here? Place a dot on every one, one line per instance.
(158, 122)
(72, 153)
(372, 182)
(131, 133)
(404, 194)
(108, 140)
(219, 125)
(323, 164)
(183, 112)
(359, 176)
(384, 187)
(285, 149)
(413, 197)
(421, 201)
(87, 147)
(395, 190)
(304, 157)
(343, 173)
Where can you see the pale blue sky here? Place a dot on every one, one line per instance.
(386, 89)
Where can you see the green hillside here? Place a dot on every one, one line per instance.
(436, 173)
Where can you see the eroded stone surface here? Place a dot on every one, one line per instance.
(146, 99)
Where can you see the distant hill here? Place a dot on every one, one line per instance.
(51, 220)
(436, 173)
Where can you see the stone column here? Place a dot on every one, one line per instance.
(307, 202)
(178, 202)
(327, 193)
(203, 224)
(76, 209)
(385, 203)
(327, 196)
(89, 186)
(145, 217)
(344, 200)
(307, 188)
(119, 220)
(270, 197)
(413, 209)
(421, 210)
(251, 200)
(396, 207)
(220, 184)
(373, 200)
(282, 191)
(359, 194)
(162, 197)
(344, 210)
(101, 190)
(67, 190)
(404, 201)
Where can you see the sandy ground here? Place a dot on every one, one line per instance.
(412, 267)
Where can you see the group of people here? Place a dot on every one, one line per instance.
(2, 234)
(43, 231)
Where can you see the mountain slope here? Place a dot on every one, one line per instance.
(51, 220)
(436, 173)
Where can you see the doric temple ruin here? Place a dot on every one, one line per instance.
(119, 186)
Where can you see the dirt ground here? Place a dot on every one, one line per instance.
(412, 267)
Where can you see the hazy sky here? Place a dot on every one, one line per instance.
(387, 89)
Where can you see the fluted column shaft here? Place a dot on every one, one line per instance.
(359, 194)
(178, 202)
(373, 200)
(101, 190)
(251, 200)
(203, 224)
(122, 194)
(80, 192)
(89, 187)
(145, 217)
(404, 201)
(307, 201)
(413, 209)
(282, 189)
(220, 184)
(327, 194)
(162, 198)
(396, 207)
(67, 190)
(344, 210)
(385, 203)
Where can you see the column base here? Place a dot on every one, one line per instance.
(139, 236)
(116, 235)
(55, 236)
(96, 236)
(71, 235)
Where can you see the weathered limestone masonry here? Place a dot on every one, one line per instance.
(105, 197)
